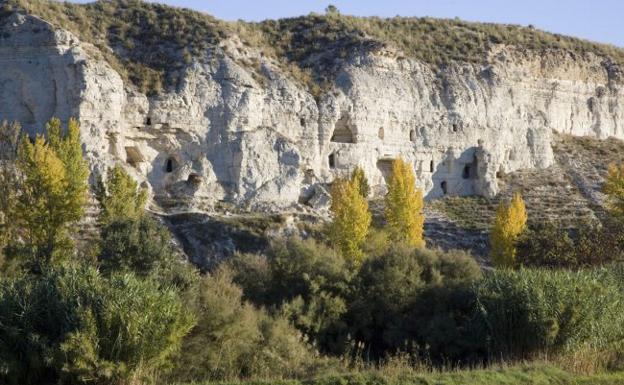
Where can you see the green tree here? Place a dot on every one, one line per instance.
(233, 339)
(9, 183)
(140, 246)
(509, 224)
(68, 148)
(614, 188)
(332, 10)
(351, 219)
(359, 178)
(404, 206)
(51, 194)
(120, 197)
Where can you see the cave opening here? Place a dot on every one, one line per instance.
(343, 132)
(412, 135)
(466, 172)
(332, 160)
(169, 164)
(385, 167)
(444, 188)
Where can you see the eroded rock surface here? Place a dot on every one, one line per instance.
(224, 135)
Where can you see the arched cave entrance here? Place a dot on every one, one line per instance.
(170, 164)
(444, 187)
(343, 132)
(332, 160)
(385, 167)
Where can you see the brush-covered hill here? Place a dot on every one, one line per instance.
(215, 116)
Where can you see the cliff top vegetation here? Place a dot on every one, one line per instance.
(150, 43)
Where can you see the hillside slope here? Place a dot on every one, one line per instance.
(263, 116)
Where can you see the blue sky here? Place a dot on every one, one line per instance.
(597, 20)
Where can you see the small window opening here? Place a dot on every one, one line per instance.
(412, 135)
(444, 188)
(169, 165)
(148, 121)
(381, 133)
(332, 160)
(302, 122)
(499, 174)
(455, 127)
(431, 166)
(466, 172)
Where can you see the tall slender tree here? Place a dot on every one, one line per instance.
(359, 178)
(614, 188)
(404, 206)
(351, 219)
(52, 192)
(509, 224)
(120, 197)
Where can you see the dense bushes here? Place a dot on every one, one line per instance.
(305, 279)
(337, 306)
(233, 339)
(591, 244)
(526, 312)
(74, 326)
(433, 304)
(386, 288)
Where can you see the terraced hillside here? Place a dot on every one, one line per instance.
(567, 192)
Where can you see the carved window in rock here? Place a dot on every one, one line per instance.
(381, 133)
(332, 160)
(431, 166)
(148, 121)
(466, 172)
(343, 132)
(385, 167)
(444, 187)
(455, 127)
(412, 135)
(169, 165)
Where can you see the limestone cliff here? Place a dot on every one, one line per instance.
(225, 134)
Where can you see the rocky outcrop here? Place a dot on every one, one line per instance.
(264, 142)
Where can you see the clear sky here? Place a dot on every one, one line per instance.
(597, 20)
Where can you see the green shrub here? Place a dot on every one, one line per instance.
(234, 340)
(305, 280)
(526, 312)
(139, 245)
(388, 286)
(591, 244)
(74, 326)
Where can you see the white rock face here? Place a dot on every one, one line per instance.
(223, 136)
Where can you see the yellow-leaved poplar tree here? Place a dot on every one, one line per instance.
(9, 143)
(404, 206)
(509, 224)
(52, 192)
(351, 219)
(614, 188)
(359, 178)
(120, 197)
